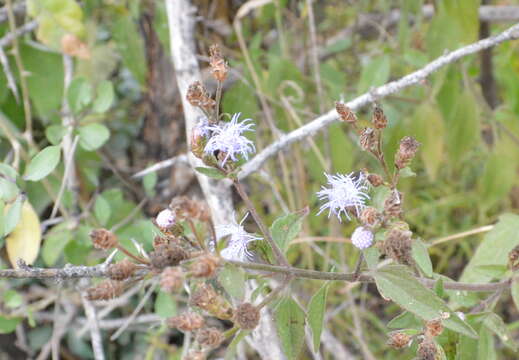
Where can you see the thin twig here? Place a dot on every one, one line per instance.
(93, 324)
(463, 234)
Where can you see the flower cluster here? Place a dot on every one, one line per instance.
(238, 241)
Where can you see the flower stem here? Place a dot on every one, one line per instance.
(134, 257)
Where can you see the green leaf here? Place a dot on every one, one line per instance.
(438, 287)
(316, 310)
(374, 73)
(211, 172)
(55, 133)
(12, 299)
(232, 279)
(43, 163)
(494, 249)
(79, 94)
(495, 324)
(165, 305)
(230, 353)
(93, 136)
(102, 210)
(421, 257)
(8, 324)
(149, 181)
(131, 46)
(286, 228)
(12, 218)
(396, 282)
(407, 172)
(405, 320)
(290, 324)
(486, 346)
(104, 98)
(371, 255)
(515, 293)
(55, 242)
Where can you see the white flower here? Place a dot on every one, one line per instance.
(239, 239)
(201, 128)
(229, 140)
(346, 192)
(165, 219)
(362, 238)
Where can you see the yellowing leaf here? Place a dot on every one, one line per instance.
(24, 241)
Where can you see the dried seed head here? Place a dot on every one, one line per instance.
(186, 208)
(195, 355)
(105, 290)
(206, 298)
(433, 328)
(513, 259)
(345, 113)
(427, 350)
(171, 279)
(209, 337)
(122, 270)
(406, 152)
(186, 322)
(218, 65)
(103, 239)
(398, 245)
(375, 180)
(247, 316)
(398, 340)
(393, 204)
(205, 266)
(379, 119)
(197, 96)
(368, 139)
(166, 255)
(370, 217)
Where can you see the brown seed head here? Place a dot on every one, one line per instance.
(393, 204)
(171, 279)
(166, 255)
(247, 316)
(103, 239)
(368, 139)
(434, 327)
(206, 298)
(345, 113)
(513, 259)
(218, 65)
(375, 180)
(122, 270)
(105, 290)
(398, 340)
(427, 350)
(406, 152)
(370, 217)
(379, 119)
(398, 245)
(186, 208)
(186, 322)
(205, 266)
(209, 337)
(197, 96)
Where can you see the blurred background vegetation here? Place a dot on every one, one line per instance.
(127, 115)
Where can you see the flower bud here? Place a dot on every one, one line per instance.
(165, 219)
(171, 279)
(433, 328)
(369, 217)
(368, 139)
(204, 266)
(122, 270)
(362, 238)
(375, 180)
(218, 66)
(166, 255)
(186, 322)
(209, 337)
(398, 340)
(206, 298)
(427, 350)
(247, 316)
(393, 204)
(105, 290)
(398, 245)
(406, 152)
(345, 113)
(103, 239)
(379, 119)
(186, 208)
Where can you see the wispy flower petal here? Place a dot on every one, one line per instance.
(238, 240)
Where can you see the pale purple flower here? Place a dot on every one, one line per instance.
(201, 128)
(346, 192)
(362, 238)
(236, 248)
(165, 219)
(228, 139)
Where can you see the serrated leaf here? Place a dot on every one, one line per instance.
(395, 282)
(79, 94)
(25, 239)
(232, 279)
(316, 310)
(104, 97)
(93, 136)
(290, 324)
(287, 227)
(43, 163)
(102, 210)
(211, 172)
(421, 257)
(165, 305)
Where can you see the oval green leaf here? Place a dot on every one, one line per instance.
(43, 163)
